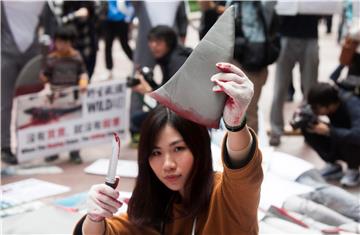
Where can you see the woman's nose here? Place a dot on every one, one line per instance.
(169, 163)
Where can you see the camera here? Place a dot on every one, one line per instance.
(304, 117)
(148, 75)
(132, 81)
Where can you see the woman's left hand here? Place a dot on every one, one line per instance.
(239, 89)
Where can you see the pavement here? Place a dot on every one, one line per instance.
(52, 220)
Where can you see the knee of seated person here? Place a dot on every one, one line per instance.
(305, 133)
(309, 137)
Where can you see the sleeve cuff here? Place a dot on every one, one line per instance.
(249, 150)
(239, 154)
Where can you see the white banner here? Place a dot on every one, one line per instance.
(70, 120)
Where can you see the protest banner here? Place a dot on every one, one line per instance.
(48, 124)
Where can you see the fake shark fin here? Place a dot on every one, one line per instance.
(189, 92)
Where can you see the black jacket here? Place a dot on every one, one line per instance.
(345, 122)
(172, 62)
(299, 26)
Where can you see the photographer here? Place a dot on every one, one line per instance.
(340, 139)
(169, 55)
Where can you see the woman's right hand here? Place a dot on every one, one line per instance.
(102, 202)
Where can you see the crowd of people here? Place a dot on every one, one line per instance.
(174, 153)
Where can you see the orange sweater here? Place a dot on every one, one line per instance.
(232, 209)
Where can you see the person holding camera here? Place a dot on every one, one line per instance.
(340, 138)
(169, 55)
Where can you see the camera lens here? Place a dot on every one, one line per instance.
(145, 69)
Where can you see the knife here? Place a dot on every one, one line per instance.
(110, 179)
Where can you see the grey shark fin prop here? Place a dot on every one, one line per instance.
(189, 92)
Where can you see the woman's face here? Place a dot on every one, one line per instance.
(171, 159)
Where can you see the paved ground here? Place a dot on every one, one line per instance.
(54, 221)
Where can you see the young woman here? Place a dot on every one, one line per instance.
(177, 191)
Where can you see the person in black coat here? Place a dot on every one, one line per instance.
(82, 15)
(340, 138)
(170, 55)
(210, 12)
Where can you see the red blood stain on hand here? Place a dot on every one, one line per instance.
(225, 68)
(230, 103)
(233, 113)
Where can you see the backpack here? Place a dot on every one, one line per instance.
(253, 55)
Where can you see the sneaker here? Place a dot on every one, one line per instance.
(51, 158)
(75, 157)
(8, 157)
(274, 140)
(332, 171)
(351, 178)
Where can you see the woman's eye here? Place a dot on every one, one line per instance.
(155, 153)
(179, 148)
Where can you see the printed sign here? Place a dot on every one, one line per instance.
(67, 120)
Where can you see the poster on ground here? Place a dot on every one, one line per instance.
(27, 190)
(51, 123)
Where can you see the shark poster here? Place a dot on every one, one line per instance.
(51, 123)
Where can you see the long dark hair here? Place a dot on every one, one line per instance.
(150, 204)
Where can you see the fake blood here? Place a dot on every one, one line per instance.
(35, 122)
(191, 115)
(224, 68)
(230, 103)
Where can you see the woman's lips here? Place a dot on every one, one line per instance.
(172, 178)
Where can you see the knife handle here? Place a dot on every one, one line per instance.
(113, 185)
